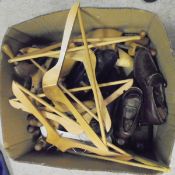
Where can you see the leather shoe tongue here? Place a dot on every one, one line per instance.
(130, 112)
(131, 107)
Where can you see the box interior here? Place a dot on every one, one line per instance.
(49, 28)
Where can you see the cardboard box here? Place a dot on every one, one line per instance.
(49, 28)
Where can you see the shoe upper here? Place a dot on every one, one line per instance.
(128, 115)
(151, 81)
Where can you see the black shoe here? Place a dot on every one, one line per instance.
(116, 74)
(127, 116)
(152, 83)
(78, 77)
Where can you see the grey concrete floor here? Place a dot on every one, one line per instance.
(16, 11)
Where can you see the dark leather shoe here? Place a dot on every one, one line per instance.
(105, 60)
(128, 115)
(142, 140)
(24, 69)
(152, 83)
(78, 77)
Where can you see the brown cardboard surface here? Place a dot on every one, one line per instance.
(69, 161)
(14, 120)
(50, 28)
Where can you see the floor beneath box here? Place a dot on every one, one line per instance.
(13, 12)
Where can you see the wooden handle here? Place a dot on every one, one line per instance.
(6, 49)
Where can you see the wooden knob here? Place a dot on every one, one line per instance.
(153, 52)
(142, 34)
(40, 145)
(31, 129)
(34, 122)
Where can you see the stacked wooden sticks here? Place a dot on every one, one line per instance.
(50, 115)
